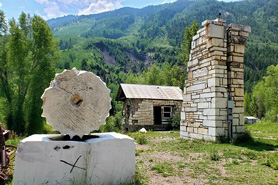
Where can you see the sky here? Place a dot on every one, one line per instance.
(57, 8)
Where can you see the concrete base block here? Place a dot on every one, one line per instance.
(107, 159)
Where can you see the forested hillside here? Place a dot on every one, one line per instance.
(147, 46)
(130, 40)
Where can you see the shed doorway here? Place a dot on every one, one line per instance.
(157, 115)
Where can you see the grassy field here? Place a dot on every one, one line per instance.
(164, 158)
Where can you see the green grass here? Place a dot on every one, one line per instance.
(265, 130)
(252, 159)
(155, 135)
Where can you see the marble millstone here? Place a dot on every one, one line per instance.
(76, 103)
(108, 159)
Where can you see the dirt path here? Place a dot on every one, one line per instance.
(174, 170)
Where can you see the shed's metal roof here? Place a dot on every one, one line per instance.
(135, 91)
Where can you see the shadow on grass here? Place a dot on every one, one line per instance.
(257, 144)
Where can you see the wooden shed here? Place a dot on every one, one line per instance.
(149, 106)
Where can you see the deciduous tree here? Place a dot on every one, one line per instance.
(28, 55)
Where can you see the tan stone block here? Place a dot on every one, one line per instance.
(216, 57)
(234, 32)
(214, 48)
(238, 98)
(239, 104)
(215, 31)
(195, 130)
(238, 81)
(212, 82)
(223, 58)
(219, 67)
(245, 34)
(216, 42)
(203, 131)
(219, 103)
(238, 59)
(217, 53)
(219, 75)
(235, 121)
(239, 75)
(190, 129)
(239, 92)
(197, 124)
(231, 48)
(224, 81)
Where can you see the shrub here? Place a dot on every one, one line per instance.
(142, 140)
(158, 168)
(235, 162)
(113, 124)
(175, 122)
(214, 156)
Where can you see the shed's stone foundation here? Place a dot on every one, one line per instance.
(213, 95)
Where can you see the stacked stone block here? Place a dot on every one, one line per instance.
(215, 68)
(237, 38)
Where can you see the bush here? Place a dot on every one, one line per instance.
(142, 140)
(158, 168)
(235, 162)
(113, 123)
(214, 156)
(176, 119)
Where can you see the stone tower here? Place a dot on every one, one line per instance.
(213, 94)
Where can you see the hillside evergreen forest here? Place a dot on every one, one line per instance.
(129, 45)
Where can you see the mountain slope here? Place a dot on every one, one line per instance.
(130, 39)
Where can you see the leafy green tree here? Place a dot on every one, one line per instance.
(45, 54)
(189, 32)
(249, 105)
(156, 75)
(265, 94)
(28, 57)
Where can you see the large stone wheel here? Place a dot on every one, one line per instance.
(76, 103)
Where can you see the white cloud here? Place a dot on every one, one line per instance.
(42, 1)
(53, 10)
(167, 1)
(57, 8)
(99, 6)
(1, 4)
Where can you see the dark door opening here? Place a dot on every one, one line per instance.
(157, 115)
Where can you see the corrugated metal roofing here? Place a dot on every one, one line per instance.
(135, 91)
